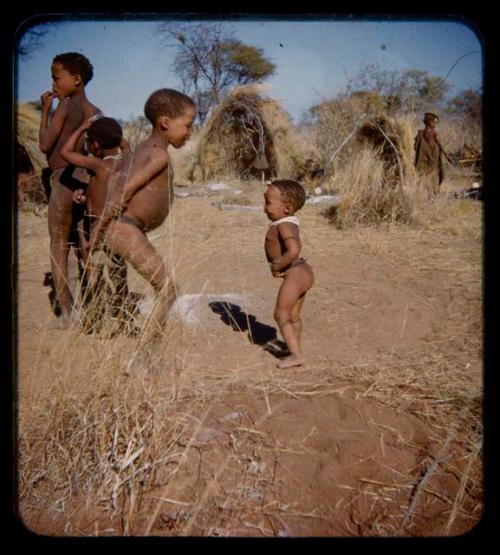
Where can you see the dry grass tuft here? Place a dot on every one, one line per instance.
(366, 197)
(28, 125)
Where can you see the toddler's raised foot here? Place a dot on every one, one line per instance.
(291, 361)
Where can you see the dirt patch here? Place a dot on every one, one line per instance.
(378, 435)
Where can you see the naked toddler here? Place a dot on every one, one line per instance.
(283, 198)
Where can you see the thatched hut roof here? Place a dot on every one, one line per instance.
(28, 125)
(246, 135)
(394, 143)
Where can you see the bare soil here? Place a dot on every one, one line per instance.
(374, 436)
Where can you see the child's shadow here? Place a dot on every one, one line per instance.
(258, 333)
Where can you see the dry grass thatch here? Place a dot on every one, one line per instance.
(247, 135)
(377, 180)
(394, 142)
(28, 125)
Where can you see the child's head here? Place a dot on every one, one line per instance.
(283, 198)
(173, 113)
(104, 134)
(430, 119)
(70, 71)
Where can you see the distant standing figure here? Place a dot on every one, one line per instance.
(428, 151)
(283, 198)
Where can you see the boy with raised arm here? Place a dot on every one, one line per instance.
(71, 71)
(145, 198)
(109, 160)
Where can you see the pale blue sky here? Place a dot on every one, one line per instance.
(312, 65)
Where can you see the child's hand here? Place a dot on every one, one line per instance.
(79, 196)
(274, 269)
(46, 99)
(88, 122)
(125, 145)
(275, 265)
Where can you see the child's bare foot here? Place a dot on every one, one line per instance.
(289, 362)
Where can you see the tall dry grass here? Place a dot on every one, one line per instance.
(112, 427)
(27, 127)
(366, 197)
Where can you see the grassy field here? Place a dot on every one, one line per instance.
(379, 434)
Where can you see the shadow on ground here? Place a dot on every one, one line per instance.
(258, 333)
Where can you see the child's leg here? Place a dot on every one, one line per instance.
(288, 295)
(60, 219)
(132, 244)
(296, 320)
(118, 276)
(288, 309)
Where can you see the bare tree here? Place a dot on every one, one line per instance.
(410, 89)
(33, 38)
(210, 61)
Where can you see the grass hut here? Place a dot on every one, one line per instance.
(393, 142)
(248, 136)
(28, 125)
(27, 131)
(377, 179)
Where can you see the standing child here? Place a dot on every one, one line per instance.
(145, 198)
(282, 199)
(71, 71)
(428, 159)
(106, 165)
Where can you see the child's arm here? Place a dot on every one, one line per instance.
(289, 234)
(120, 198)
(69, 153)
(50, 132)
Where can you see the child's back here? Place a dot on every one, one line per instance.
(151, 204)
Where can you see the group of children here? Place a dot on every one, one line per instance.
(116, 196)
(113, 196)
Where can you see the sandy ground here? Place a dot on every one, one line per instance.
(346, 445)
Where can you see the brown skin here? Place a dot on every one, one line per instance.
(72, 110)
(106, 176)
(282, 246)
(147, 195)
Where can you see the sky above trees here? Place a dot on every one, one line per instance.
(314, 59)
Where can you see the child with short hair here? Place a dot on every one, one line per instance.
(71, 72)
(428, 159)
(283, 198)
(108, 160)
(143, 202)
